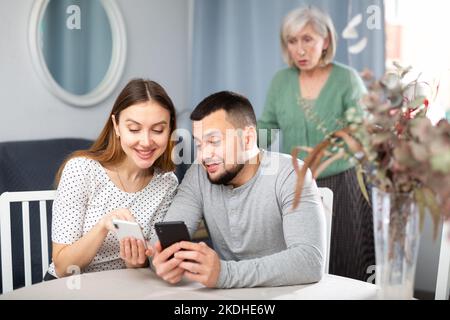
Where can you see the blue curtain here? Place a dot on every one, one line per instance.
(236, 43)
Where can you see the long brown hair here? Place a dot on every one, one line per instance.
(107, 149)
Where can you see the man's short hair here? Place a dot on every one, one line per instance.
(238, 108)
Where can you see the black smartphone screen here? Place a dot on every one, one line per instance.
(170, 232)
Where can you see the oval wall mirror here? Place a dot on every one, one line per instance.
(78, 48)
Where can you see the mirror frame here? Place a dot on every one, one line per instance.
(115, 69)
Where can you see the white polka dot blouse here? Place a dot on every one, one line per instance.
(86, 193)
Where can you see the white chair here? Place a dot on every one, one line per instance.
(327, 199)
(5, 233)
(443, 275)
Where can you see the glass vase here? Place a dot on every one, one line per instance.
(397, 237)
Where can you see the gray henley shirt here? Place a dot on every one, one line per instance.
(259, 238)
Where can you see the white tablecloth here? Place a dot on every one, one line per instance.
(144, 284)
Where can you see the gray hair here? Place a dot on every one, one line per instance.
(321, 23)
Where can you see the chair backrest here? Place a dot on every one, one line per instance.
(24, 198)
(327, 199)
(443, 275)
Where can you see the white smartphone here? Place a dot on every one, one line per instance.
(127, 229)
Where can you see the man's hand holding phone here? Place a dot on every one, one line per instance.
(165, 264)
(199, 262)
(195, 261)
(181, 257)
(170, 233)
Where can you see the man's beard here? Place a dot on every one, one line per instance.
(227, 176)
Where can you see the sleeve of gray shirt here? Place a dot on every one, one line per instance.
(304, 232)
(187, 205)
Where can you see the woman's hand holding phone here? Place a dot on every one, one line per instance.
(118, 214)
(133, 252)
(133, 245)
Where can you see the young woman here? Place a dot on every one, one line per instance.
(127, 174)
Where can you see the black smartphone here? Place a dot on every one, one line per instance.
(170, 232)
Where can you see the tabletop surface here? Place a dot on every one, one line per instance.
(144, 284)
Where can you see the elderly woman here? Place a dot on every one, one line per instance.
(308, 100)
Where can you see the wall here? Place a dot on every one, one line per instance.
(157, 34)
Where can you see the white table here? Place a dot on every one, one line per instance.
(144, 284)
